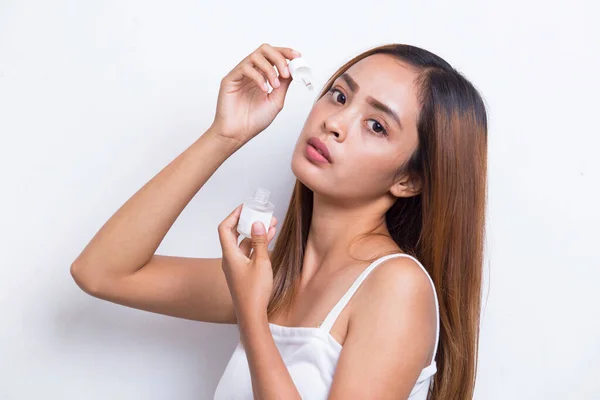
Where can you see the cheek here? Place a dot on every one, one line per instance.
(359, 168)
(366, 170)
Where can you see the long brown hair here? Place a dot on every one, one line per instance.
(443, 226)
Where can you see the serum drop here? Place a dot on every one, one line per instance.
(257, 208)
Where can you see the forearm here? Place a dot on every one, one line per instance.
(270, 376)
(131, 236)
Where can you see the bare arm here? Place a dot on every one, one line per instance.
(119, 263)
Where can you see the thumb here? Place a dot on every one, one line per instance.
(259, 241)
(278, 95)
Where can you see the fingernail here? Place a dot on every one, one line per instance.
(266, 87)
(276, 82)
(258, 228)
(286, 71)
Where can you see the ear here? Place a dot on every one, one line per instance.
(406, 187)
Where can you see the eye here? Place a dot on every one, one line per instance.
(340, 97)
(377, 127)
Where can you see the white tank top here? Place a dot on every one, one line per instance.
(311, 354)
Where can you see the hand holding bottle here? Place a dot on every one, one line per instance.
(244, 106)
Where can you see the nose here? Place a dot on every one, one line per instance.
(337, 124)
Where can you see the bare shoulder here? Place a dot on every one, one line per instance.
(400, 278)
(391, 333)
(398, 298)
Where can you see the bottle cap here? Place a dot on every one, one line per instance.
(262, 196)
(300, 70)
(298, 62)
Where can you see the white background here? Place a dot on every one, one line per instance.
(97, 97)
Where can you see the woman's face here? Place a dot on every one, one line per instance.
(367, 145)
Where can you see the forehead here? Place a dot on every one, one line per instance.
(383, 70)
(390, 81)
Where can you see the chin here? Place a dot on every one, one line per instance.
(299, 166)
(309, 174)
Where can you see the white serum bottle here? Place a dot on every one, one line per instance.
(257, 208)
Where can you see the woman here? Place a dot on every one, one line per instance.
(387, 215)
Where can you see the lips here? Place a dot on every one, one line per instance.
(320, 146)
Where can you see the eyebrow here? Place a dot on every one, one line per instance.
(373, 102)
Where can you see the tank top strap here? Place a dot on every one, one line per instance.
(328, 322)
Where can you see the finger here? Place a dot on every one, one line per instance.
(276, 58)
(246, 246)
(272, 229)
(246, 70)
(252, 73)
(246, 243)
(231, 221)
(228, 234)
(288, 53)
(277, 96)
(259, 242)
(241, 70)
(265, 67)
(271, 234)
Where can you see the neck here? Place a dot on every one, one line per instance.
(333, 229)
